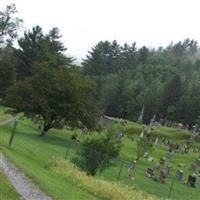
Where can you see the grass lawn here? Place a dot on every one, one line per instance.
(7, 192)
(32, 154)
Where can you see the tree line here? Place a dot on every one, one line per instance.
(37, 78)
(166, 81)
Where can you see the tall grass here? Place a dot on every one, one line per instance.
(101, 188)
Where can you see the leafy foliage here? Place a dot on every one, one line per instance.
(97, 152)
(56, 96)
(165, 80)
(9, 25)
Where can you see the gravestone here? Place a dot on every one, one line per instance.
(163, 140)
(179, 175)
(106, 121)
(123, 122)
(143, 131)
(169, 156)
(162, 176)
(149, 173)
(162, 161)
(140, 118)
(161, 121)
(119, 136)
(191, 180)
(132, 165)
(146, 154)
(157, 141)
(193, 166)
(157, 166)
(167, 170)
(150, 159)
(171, 147)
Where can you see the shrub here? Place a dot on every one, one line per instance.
(97, 152)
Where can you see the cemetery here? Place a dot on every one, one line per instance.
(117, 117)
(164, 171)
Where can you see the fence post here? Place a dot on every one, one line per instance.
(120, 170)
(67, 149)
(13, 133)
(171, 187)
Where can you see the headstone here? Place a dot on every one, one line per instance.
(169, 156)
(157, 140)
(179, 175)
(163, 140)
(119, 136)
(157, 166)
(171, 147)
(152, 122)
(140, 118)
(191, 180)
(167, 170)
(193, 166)
(162, 161)
(146, 154)
(132, 165)
(123, 122)
(106, 121)
(150, 159)
(149, 173)
(142, 133)
(162, 176)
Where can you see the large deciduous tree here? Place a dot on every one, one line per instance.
(56, 96)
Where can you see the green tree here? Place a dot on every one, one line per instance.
(55, 96)
(103, 59)
(98, 150)
(7, 71)
(9, 25)
(171, 113)
(198, 121)
(171, 94)
(35, 46)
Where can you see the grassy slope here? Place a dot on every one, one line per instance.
(32, 153)
(7, 192)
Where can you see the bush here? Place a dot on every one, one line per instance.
(97, 152)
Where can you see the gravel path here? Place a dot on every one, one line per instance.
(22, 183)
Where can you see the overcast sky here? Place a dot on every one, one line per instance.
(83, 23)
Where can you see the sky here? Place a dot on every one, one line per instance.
(83, 23)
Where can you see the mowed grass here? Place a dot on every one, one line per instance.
(7, 192)
(32, 154)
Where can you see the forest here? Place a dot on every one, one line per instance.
(118, 79)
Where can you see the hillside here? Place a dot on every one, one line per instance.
(33, 154)
(59, 179)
